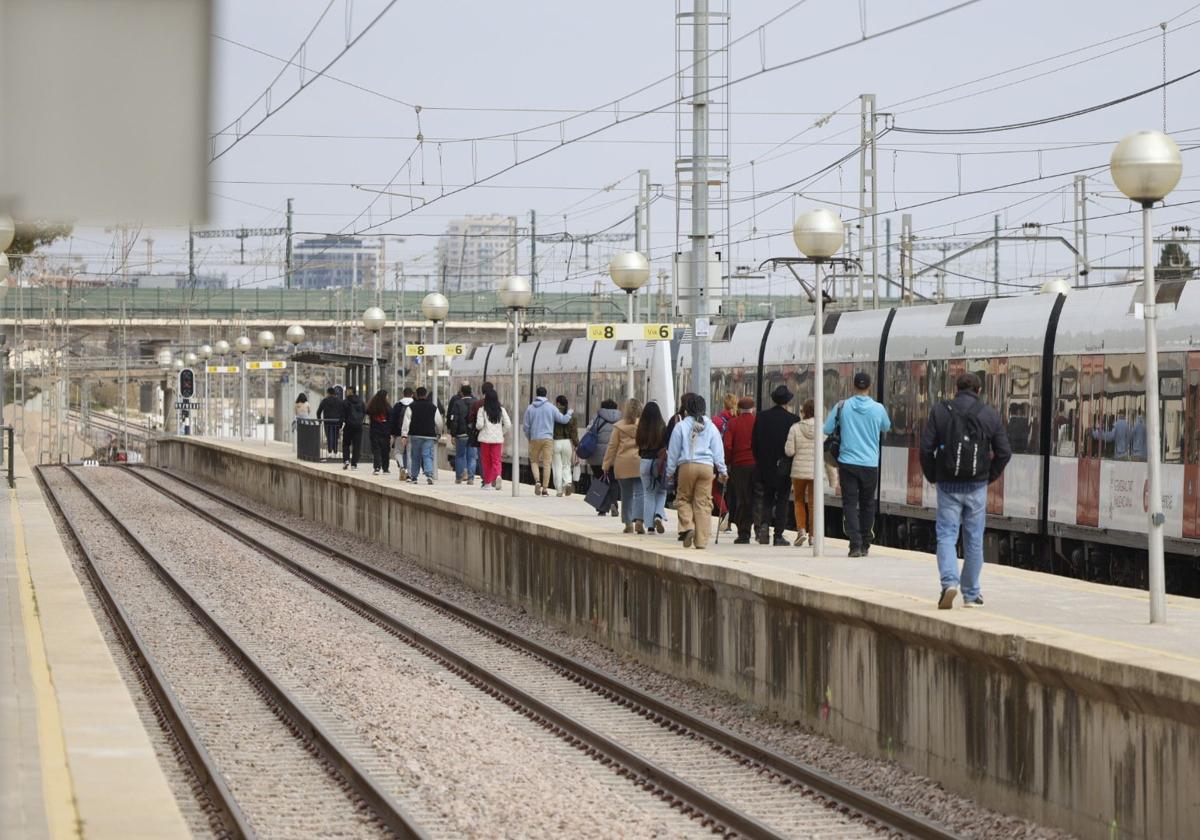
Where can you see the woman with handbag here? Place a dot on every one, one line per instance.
(594, 444)
(652, 449)
(800, 448)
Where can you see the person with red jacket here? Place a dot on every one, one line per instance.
(739, 455)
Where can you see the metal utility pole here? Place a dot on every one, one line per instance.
(287, 254)
(996, 257)
(867, 202)
(701, 372)
(906, 259)
(191, 257)
(641, 232)
(532, 251)
(1081, 234)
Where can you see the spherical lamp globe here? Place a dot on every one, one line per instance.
(435, 307)
(295, 334)
(190, 359)
(164, 358)
(266, 339)
(515, 292)
(629, 270)
(206, 352)
(221, 348)
(1146, 166)
(374, 319)
(243, 344)
(818, 234)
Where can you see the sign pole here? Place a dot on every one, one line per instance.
(516, 417)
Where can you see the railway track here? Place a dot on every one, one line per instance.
(230, 719)
(731, 784)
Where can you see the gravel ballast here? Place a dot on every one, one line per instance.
(904, 788)
(463, 763)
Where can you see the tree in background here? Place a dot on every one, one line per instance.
(1174, 263)
(32, 235)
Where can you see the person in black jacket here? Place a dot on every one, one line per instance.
(329, 412)
(964, 447)
(772, 482)
(457, 413)
(396, 424)
(354, 412)
(378, 410)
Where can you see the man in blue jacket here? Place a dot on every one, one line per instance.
(539, 422)
(862, 421)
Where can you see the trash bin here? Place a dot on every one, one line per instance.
(308, 439)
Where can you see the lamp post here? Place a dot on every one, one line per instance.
(629, 270)
(373, 320)
(266, 340)
(818, 235)
(515, 293)
(242, 345)
(206, 353)
(435, 307)
(1146, 166)
(221, 348)
(295, 337)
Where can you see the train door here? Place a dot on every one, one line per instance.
(995, 394)
(1091, 445)
(1191, 450)
(918, 379)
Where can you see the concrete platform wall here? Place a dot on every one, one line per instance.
(1093, 746)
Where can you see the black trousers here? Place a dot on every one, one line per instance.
(351, 444)
(381, 445)
(858, 503)
(331, 434)
(740, 497)
(771, 502)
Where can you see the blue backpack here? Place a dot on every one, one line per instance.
(590, 440)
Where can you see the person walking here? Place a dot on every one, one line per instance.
(772, 468)
(473, 426)
(800, 447)
(458, 425)
(651, 439)
(329, 412)
(694, 453)
(562, 461)
(493, 424)
(538, 425)
(739, 454)
(301, 409)
(422, 425)
(621, 461)
(378, 412)
(722, 420)
(964, 447)
(354, 412)
(859, 421)
(396, 421)
(601, 426)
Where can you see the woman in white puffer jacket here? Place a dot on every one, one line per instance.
(800, 445)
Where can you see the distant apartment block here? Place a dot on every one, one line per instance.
(333, 262)
(476, 252)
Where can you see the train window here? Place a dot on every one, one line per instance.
(966, 312)
(1121, 429)
(898, 395)
(1170, 395)
(831, 322)
(1023, 401)
(1066, 406)
(564, 346)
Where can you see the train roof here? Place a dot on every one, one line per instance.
(1102, 319)
(971, 329)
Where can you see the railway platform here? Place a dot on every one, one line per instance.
(76, 759)
(1057, 701)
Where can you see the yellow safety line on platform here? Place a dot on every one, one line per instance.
(57, 790)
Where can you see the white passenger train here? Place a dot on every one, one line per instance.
(1064, 371)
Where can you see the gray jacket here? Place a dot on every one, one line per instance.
(603, 422)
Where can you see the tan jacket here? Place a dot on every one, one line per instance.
(800, 442)
(621, 456)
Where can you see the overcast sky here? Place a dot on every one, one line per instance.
(487, 70)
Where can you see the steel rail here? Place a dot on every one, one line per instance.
(389, 812)
(216, 794)
(662, 712)
(670, 787)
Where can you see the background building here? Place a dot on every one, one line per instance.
(476, 251)
(331, 262)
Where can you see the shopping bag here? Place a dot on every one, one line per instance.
(597, 493)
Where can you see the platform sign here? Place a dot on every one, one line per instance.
(187, 405)
(630, 332)
(435, 350)
(266, 365)
(223, 368)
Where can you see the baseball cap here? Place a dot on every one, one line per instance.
(862, 380)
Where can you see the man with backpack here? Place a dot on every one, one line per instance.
(457, 424)
(855, 425)
(964, 447)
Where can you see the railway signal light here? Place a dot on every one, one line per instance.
(187, 383)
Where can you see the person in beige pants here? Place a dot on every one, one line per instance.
(694, 453)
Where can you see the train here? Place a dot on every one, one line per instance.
(1065, 370)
